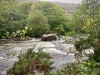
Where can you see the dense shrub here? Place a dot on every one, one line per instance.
(30, 62)
(37, 24)
(11, 18)
(40, 17)
(84, 68)
(57, 18)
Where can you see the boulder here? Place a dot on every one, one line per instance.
(48, 37)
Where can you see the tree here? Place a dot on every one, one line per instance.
(25, 7)
(37, 24)
(87, 13)
(89, 22)
(4, 5)
(11, 18)
(54, 13)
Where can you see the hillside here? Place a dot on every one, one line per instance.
(27, 0)
(68, 7)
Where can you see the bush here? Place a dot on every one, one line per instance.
(84, 68)
(37, 24)
(18, 35)
(30, 62)
(71, 33)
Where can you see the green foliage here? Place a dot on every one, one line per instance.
(25, 7)
(84, 68)
(55, 15)
(37, 24)
(31, 61)
(87, 21)
(18, 35)
(3, 6)
(6, 35)
(71, 33)
(40, 17)
(83, 44)
(94, 42)
(11, 18)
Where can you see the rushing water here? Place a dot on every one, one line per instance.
(60, 53)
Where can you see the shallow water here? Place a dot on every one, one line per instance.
(57, 49)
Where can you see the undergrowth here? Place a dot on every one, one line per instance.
(31, 62)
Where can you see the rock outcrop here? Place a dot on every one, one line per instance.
(48, 37)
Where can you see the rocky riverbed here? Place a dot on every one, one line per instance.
(60, 53)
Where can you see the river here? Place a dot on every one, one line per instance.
(60, 52)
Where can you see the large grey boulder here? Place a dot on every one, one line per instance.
(48, 37)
